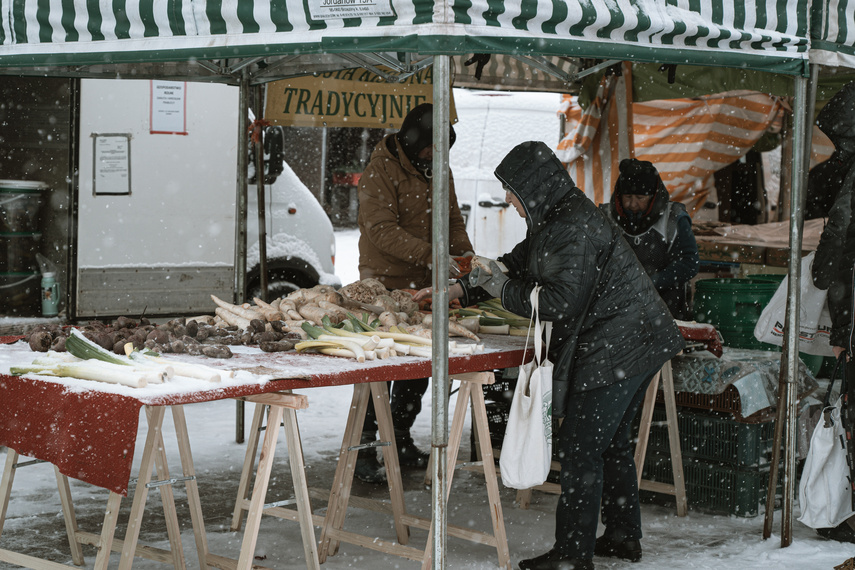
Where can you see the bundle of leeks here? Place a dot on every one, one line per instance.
(89, 361)
(357, 339)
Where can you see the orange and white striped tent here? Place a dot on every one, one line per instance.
(687, 140)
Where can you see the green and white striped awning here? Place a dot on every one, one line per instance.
(833, 34)
(771, 35)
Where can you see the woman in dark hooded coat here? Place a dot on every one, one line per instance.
(611, 334)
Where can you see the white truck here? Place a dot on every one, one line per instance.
(163, 243)
(490, 124)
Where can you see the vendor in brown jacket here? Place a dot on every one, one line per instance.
(395, 248)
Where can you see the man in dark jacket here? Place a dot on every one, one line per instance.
(658, 230)
(611, 334)
(395, 226)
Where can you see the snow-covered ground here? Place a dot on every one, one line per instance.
(34, 523)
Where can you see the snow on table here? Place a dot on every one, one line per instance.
(88, 429)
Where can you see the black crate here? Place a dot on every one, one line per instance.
(718, 488)
(714, 437)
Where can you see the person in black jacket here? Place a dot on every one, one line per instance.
(611, 334)
(658, 230)
(835, 254)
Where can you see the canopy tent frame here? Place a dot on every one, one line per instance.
(257, 44)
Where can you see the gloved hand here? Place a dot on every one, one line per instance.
(492, 282)
(454, 270)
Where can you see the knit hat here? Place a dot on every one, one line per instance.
(416, 131)
(637, 177)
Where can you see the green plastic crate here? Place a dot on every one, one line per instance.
(713, 487)
(714, 436)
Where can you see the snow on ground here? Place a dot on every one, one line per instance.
(699, 541)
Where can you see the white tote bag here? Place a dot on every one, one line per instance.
(825, 494)
(527, 448)
(814, 318)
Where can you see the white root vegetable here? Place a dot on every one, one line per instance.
(270, 314)
(333, 308)
(402, 318)
(316, 314)
(496, 329)
(388, 319)
(232, 319)
(455, 328)
(238, 310)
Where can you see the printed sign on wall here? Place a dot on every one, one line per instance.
(168, 107)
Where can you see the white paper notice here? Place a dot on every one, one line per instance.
(112, 164)
(338, 9)
(168, 107)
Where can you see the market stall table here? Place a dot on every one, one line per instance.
(88, 430)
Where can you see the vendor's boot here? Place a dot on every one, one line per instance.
(368, 469)
(408, 454)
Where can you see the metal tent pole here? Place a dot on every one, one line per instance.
(785, 424)
(240, 220)
(439, 332)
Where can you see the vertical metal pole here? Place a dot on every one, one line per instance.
(788, 382)
(439, 333)
(322, 198)
(258, 91)
(240, 219)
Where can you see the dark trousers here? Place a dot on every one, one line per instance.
(406, 403)
(598, 467)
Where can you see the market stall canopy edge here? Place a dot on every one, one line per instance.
(37, 34)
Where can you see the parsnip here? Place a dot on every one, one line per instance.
(238, 310)
(270, 314)
(232, 319)
(331, 307)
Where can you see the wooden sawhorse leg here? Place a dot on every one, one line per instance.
(153, 457)
(282, 406)
(471, 392)
(27, 561)
(678, 489)
(333, 531)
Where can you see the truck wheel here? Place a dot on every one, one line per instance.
(280, 284)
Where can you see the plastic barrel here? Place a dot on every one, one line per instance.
(20, 204)
(20, 293)
(18, 251)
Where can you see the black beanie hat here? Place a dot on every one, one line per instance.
(637, 177)
(417, 131)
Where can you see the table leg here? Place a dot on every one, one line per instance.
(108, 530)
(191, 485)
(454, 437)
(259, 491)
(167, 498)
(301, 489)
(343, 480)
(383, 411)
(141, 491)
(483, 430)
(6, 484)
(644, 426)
(248, 465)
(69, 516)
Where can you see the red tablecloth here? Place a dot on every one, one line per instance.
(90, 434)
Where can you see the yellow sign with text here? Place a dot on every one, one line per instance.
(347, 98)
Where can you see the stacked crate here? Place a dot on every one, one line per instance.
(726, 463)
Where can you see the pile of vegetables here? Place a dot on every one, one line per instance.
(355, 338)
(489, 317)
(87, 360)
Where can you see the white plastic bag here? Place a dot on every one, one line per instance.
(814, 318)
(527, 448)
(825, 493)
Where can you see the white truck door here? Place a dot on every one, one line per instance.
(166, 246)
